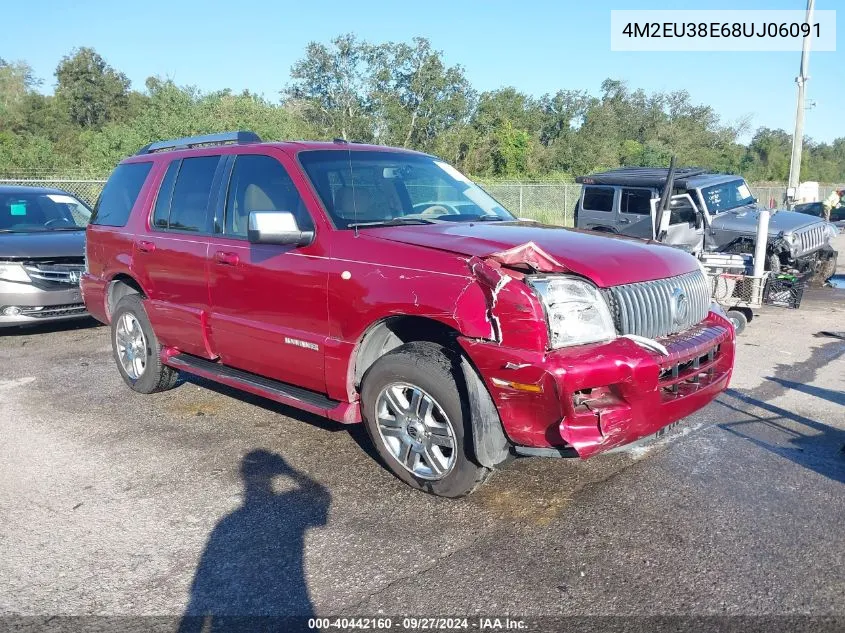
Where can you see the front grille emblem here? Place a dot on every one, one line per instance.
(680, 306)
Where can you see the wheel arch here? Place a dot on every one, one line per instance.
(391, 332)
(120, 286)
(490, 444)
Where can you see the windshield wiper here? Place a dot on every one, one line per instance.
(391, 222)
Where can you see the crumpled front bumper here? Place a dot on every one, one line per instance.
(596, 397)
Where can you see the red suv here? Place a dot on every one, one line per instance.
(381, 285)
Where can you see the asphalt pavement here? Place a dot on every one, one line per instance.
(204, 500)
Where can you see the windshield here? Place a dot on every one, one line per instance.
(363, 188)
(34, 212)
(727, 195)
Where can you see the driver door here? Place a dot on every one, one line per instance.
(686, 226)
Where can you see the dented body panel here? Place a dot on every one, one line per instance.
(597, 397)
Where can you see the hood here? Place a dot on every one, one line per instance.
(604, 259)
(744, 219)
(42, 244)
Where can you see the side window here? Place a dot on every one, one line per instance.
(161, 215)
(598, 199)
(120, 193)
(189, 202)
(636, 201)
(681, 212)
(261, 183)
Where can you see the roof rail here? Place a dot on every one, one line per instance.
(240, 137)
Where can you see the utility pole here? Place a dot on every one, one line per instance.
(798, 136)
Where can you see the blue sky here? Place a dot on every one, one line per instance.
(536, 46)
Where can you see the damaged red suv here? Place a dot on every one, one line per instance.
(378, 285)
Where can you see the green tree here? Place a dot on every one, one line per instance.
(92, 91)
(414, 95)
(331, 85)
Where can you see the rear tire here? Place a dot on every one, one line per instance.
(418, 421)
(136, 348)
(739, 321)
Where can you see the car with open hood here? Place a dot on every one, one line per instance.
(42, 243)
(381, 285)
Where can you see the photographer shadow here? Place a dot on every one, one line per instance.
(251, 575)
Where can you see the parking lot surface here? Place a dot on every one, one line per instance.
(203, 499)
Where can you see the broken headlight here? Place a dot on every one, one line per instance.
(575, 311)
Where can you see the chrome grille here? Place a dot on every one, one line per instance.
(49, 275)
(651, 308)
(811, 238)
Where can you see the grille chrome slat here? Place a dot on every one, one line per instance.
(646, 309)
(811, 238)
(67, 274)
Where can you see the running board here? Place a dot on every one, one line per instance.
(346, 412)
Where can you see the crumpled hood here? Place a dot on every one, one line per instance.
(42, 244)
(744, 219)
(606, 260)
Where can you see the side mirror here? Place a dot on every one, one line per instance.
(276, 227)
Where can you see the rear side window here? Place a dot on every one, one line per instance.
(120, 193)
(261, 183)
(598, 199)
(189, 200)
(161, 215)
(637, 201)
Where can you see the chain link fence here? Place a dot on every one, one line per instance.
(547, 202)
(86, 190)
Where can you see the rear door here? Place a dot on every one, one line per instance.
(597, 208)
(634, 206)
(269, 305)
(172, 258)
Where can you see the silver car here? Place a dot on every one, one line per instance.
(42, 244)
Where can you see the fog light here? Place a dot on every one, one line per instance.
(11, 311)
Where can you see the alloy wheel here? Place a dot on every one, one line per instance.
(131, 345)
(416, 431)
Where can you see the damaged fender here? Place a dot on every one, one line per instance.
(514, 313)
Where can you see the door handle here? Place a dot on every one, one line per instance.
(624, 221)
(145, 246)
(227, 259)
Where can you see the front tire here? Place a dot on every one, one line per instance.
(136, 348)
(418, 421)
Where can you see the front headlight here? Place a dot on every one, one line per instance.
(830, 231)
(13, 272)
(576, 312)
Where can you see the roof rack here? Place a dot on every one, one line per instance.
(241, 137)
(644, 176)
